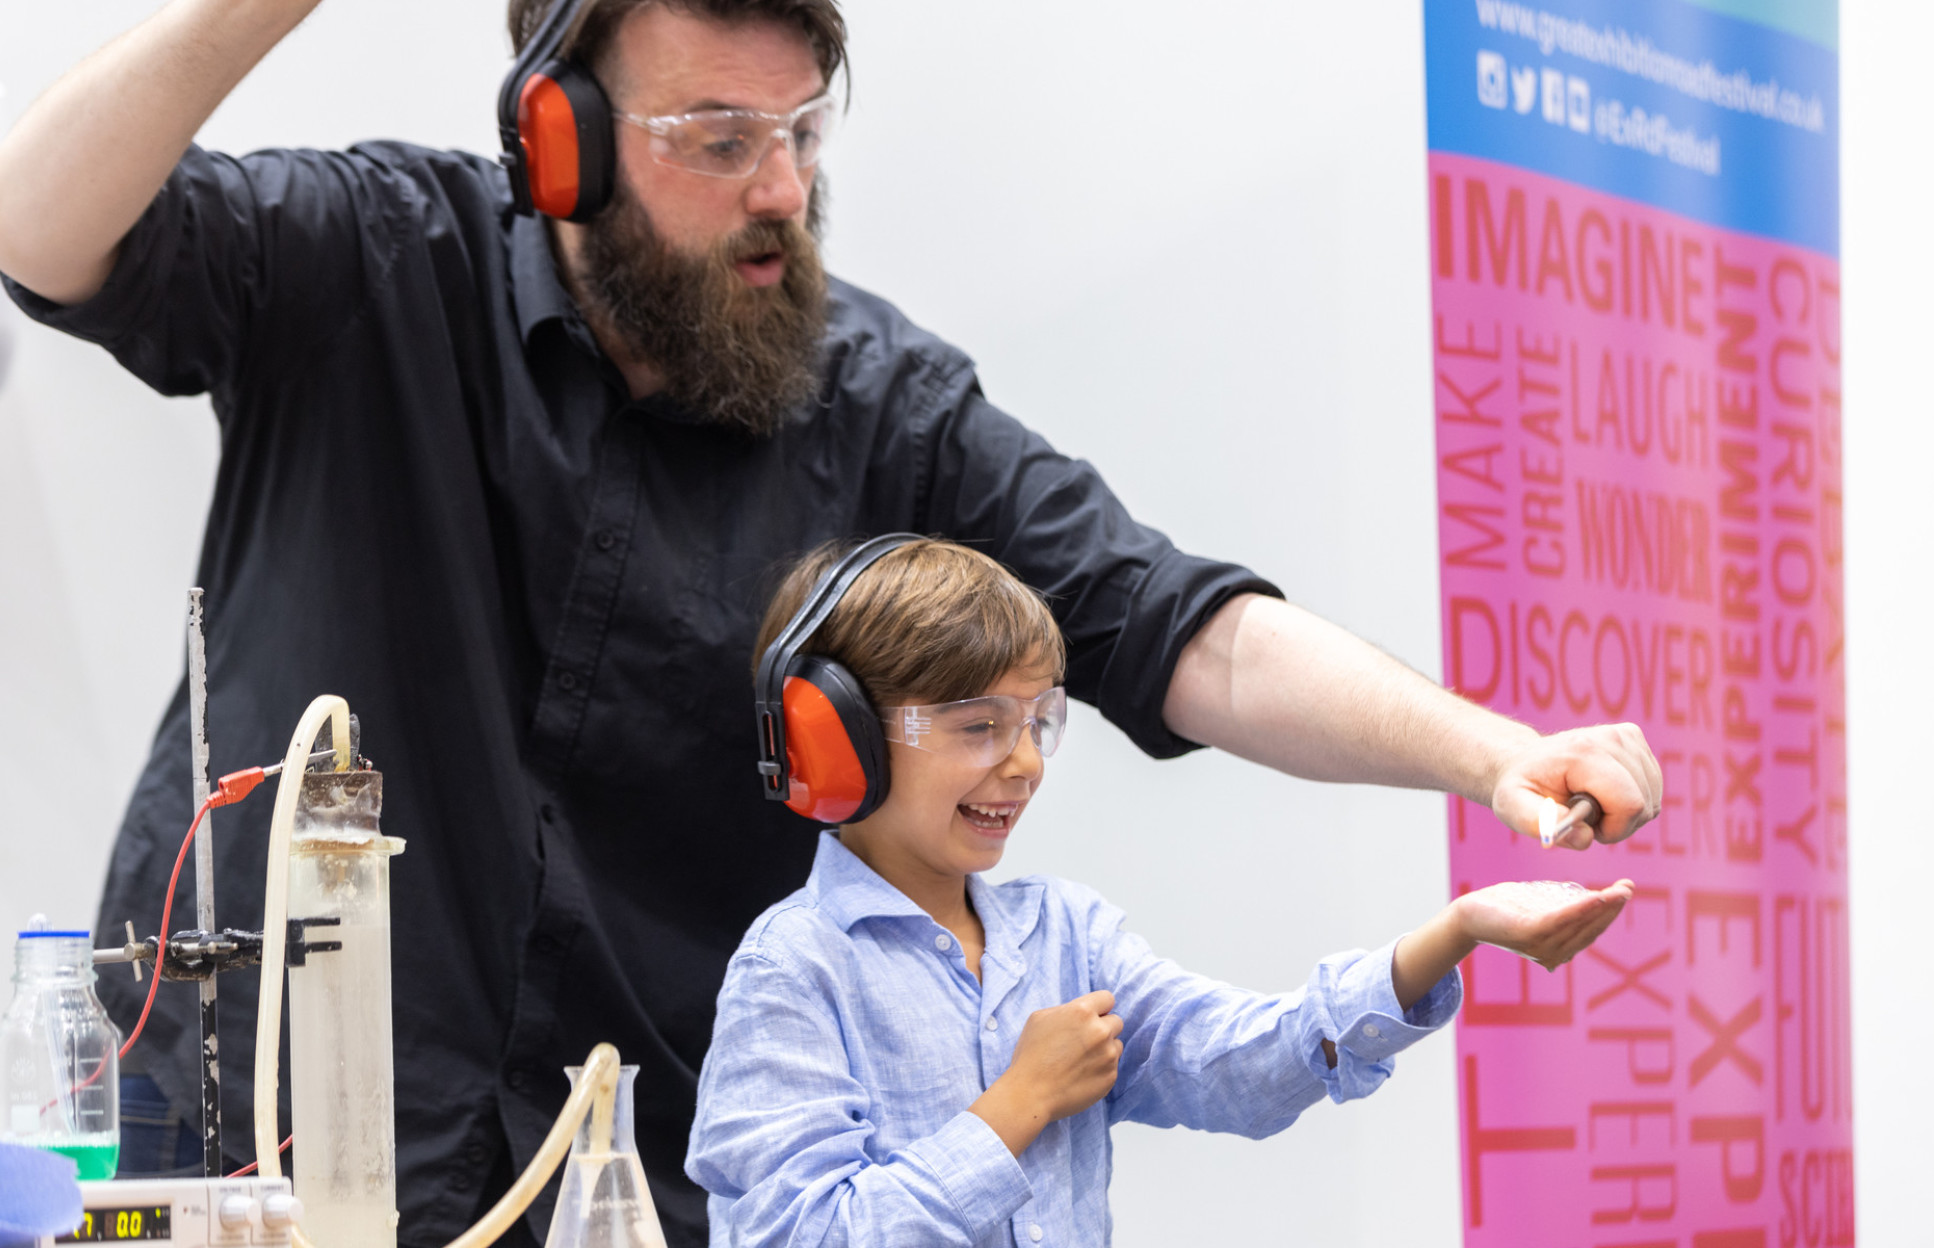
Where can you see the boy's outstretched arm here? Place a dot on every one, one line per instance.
(1509, 916)
(1273, 683)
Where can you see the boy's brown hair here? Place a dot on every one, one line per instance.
(931, 621)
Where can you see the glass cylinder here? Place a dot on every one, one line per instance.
(603, 1201)
(60, 1080)
(342, 1082)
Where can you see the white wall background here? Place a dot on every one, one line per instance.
(1187, 243)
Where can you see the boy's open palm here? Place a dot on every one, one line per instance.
(1539, 921)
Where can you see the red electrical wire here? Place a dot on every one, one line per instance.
(283, 1147)
(167, 909)
(229, 789)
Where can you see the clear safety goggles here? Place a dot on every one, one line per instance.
(982, 731)
(734, 142)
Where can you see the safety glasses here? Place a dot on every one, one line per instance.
(734, 142)
(982, 731)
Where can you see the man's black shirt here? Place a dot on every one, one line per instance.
(437, 499)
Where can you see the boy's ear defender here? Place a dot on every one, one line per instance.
(821, 750)
(555, 124)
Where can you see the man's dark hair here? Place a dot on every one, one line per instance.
(819, 20)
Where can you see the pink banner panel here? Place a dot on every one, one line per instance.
(1639, 476)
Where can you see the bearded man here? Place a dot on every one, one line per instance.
(515, 488)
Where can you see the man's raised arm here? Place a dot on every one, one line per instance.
(85, 160)
(1274, 684)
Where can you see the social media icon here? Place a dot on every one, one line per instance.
(1524, 88)
(1554, 96)
(1490, 80)
(1578, 105)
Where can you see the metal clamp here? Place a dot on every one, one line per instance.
(299, 947)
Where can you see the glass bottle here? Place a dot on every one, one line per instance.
(603, 1201)
(60, 1084)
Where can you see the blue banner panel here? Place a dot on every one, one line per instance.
(1668, 103)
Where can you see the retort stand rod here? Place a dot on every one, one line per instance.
(211, 1074)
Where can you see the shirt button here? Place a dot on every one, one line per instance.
(517, 1079)
(943, 942)
(566, 681)
(1034, 1232)
(476, 1154)
(1372, 1031)
(992, 1025)
(607, 539)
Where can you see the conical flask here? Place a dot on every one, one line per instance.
(604, 1202)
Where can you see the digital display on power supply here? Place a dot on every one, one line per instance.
(114, 1226)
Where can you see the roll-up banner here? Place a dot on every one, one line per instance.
(1635, 239)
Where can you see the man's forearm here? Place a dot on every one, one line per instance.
(1269, 681)
(1277, 685)
(85, 160)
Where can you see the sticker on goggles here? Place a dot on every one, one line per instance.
(981, 730)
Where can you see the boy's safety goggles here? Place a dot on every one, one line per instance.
(982, 731)
(734, 142)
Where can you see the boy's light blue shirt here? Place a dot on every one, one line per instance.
(851, 1038)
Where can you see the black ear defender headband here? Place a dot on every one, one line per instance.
(821, 749)
(556, 128)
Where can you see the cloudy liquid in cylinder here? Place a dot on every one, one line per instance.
(344, 1119)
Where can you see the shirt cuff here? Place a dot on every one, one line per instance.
(105, 316)
(1372, 1028)
(984, 1180)
(1175, 597)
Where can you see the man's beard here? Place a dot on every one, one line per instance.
(735, 355)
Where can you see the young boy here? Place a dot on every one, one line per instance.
(906, 1054)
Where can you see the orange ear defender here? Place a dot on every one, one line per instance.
(821, 750)
(555, 125)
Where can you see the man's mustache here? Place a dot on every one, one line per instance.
(764, 238)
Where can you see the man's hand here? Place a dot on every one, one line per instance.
(1065, 1061)
(1610, 761)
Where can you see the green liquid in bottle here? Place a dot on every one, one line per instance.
(96, 1160)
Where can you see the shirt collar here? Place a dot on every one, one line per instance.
(847, 890)
(1008, 914)
(539, 295)
(534, 286)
